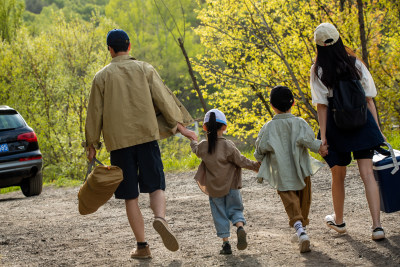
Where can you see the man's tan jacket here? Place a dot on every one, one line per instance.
(131, 105)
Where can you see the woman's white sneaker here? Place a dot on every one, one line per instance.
(378, 233)
(330, 222)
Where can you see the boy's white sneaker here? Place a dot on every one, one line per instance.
(304, 243)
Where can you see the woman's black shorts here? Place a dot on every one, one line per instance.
(344, 158)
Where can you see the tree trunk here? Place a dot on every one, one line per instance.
(363, 37)
(363, 40)
(194, 80)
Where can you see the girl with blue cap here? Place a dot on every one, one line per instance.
(220, 177)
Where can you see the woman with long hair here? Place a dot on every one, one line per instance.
(335, 62)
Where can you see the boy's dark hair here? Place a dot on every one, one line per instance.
(118, 40)
(212, 127)
(281, 98)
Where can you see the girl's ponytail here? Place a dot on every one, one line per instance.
(213, 122)
(212, 129)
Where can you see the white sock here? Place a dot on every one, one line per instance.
(298, 226)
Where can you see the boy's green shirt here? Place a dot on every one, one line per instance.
(282, 148)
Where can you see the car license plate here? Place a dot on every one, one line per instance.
(3, 148)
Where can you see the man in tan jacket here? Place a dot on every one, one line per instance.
(132, 107)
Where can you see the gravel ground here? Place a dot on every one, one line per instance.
(47, 230)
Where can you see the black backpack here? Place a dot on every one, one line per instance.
(349, 105)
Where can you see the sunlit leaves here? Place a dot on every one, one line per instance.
(47, 78)
(252, 46)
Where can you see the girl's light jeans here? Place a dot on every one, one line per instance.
(225, 209)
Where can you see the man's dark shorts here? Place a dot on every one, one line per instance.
(142, 168)
(344, 158)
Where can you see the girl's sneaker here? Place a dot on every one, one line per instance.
(241, 239)
(378, 233)
(330, 222)
(226, 249)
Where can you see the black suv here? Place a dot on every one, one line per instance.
(20, 157)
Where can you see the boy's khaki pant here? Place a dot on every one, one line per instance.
(297, 203)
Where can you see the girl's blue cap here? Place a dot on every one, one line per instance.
(219, 116)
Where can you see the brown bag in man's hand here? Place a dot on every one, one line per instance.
(100, 184)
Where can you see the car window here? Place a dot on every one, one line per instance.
(11, 121)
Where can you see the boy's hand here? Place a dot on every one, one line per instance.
(323, 149)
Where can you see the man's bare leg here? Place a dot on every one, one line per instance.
(135, 218)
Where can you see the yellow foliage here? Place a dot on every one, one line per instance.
(252, 46)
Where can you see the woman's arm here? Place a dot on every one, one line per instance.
(322, 111)
(372, 109)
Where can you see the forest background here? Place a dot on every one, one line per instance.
(224, 54)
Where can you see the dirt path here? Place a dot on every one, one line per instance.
(48, 231)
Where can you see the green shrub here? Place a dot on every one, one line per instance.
(9, 189)
(177, 155)
(394, 139)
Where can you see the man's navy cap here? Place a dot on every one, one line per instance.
(117, 36)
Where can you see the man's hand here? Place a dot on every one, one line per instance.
(91, 153)
(186, 132)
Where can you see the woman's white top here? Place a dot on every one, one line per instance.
(320, 93)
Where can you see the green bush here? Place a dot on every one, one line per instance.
(177, 155)
(394, 139)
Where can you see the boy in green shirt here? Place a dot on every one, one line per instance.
(282, 148)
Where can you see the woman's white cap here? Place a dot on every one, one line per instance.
(219, 116)
(326, 34)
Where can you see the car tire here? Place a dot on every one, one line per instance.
(33, 185)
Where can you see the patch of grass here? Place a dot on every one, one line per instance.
(61, 182)
(177, 155)
(394, 139)
(64, 182)
(249, 153)
(9, 189)
(189, 162)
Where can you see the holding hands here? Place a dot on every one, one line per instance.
(186, 132)
(323, 149)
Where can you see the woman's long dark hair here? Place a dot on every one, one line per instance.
(212, 128)
(337, 62)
